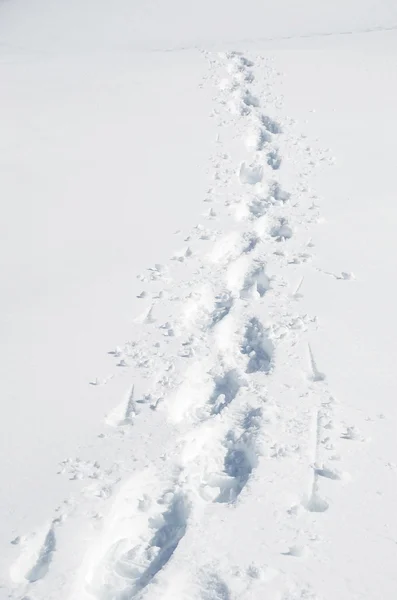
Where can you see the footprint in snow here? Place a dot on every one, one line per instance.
(257, 346)
(271, 125)
(240, 459)
(142, 535)
(274, 159)
(281, 231)
(256, 281)
(250, 174)
(257, 139)
(36, 555)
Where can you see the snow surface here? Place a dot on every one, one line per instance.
(198, 306)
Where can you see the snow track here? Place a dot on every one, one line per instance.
(235, 405)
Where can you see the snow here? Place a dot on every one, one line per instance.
(198, 309)
(81, 221)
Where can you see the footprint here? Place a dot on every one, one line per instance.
(238, 468)
(227, 465)
(277, 194)
(250, 174)
(241, 101)
(143, 544)
(238, 60)
(249, 99)
(35, 558)
(245, 62)
(257, 346)
(250, 243)
(255, 281)
(226, 388)
(247, 278)
(241, 457)
(239, 68)
(231, 246)
(223, 305)
(274, 159)
(258, 207)
(271, 125)
(282, 231)
(257, 139)
(189, 401)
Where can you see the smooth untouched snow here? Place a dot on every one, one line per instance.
(197, 313)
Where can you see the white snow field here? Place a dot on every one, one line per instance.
(198, 310)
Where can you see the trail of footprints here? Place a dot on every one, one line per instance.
(224, 342)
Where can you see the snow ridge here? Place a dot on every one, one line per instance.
(237, 409)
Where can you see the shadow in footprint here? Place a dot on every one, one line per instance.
(271, 125)
(241, 457)
(252, 420)
(255, 280)
(252, 242)
(274, 160)
(277, 194)
(238, 467)
(166, 539)
(42, 564)
(130, 565)
(257, 346)
(222, 308)
(226, 389)
(250, 174)
(282, 231)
